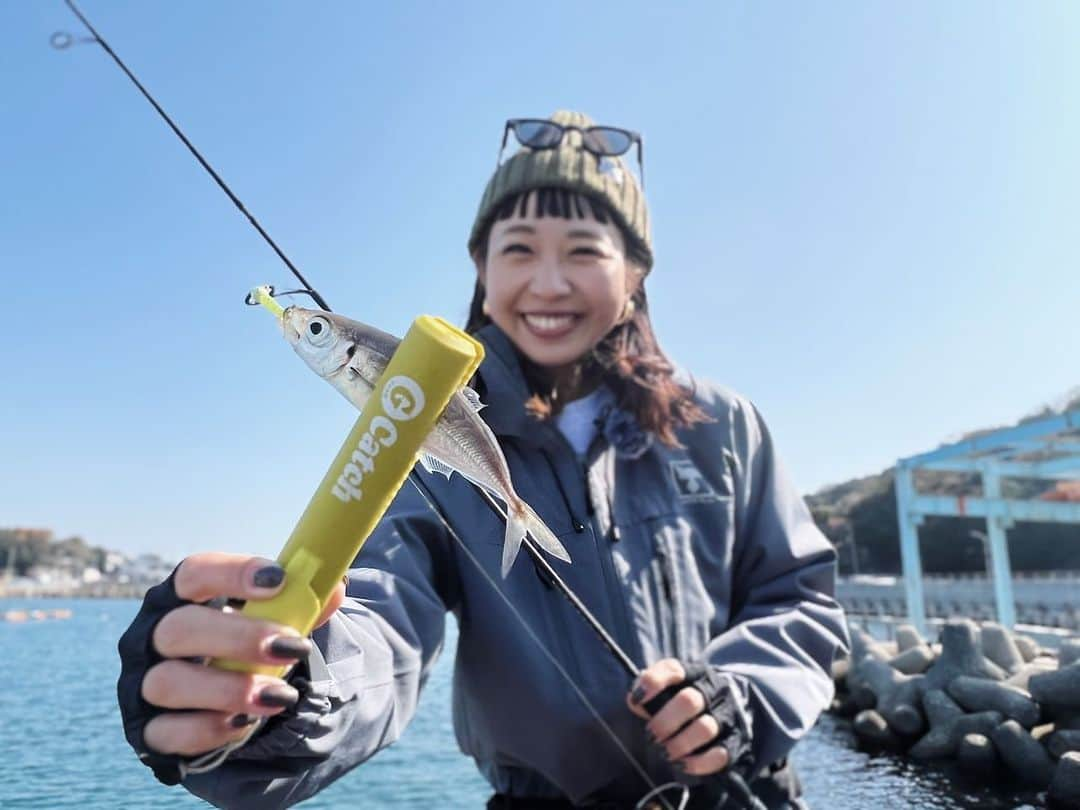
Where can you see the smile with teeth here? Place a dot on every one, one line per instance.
(550, 323)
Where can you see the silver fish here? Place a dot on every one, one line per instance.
(351, 356)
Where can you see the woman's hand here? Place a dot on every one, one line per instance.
(218, 705)
(691, 736)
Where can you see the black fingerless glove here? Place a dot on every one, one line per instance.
(725, 701)
(137, 655)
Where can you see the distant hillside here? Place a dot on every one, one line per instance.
(21, 550)
(859, 516)
(35, 563)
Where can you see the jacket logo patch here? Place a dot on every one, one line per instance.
(690, 484)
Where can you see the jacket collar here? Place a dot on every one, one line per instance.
(504, 388)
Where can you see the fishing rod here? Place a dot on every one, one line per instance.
(549, 576)
(61, 41)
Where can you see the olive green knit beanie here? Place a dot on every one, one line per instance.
(571, 167)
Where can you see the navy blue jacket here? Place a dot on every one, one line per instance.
(703, 552)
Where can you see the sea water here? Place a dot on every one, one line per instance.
(62, 745)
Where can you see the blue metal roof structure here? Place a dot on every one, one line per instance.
(1046, 448)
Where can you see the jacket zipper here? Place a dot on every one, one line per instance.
(667, 583)
(616, 593)
(620, 611)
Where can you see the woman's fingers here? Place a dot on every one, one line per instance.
(196, 631)
(220, 705)
(183, 685)
(202, 577)
(680, 725)
(191, 733)
(713, 760)
(336, 598)
(687, 704)
(699, 732)
(653, 680)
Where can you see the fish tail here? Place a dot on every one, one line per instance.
(515, 533)
(522, 518)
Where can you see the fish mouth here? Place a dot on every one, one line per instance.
(288, 324)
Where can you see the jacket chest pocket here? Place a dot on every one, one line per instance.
(678, 563)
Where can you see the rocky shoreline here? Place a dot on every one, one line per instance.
(996, 703)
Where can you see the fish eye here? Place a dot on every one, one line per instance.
(318, 331)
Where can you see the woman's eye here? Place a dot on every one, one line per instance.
(517, 247)
(586, 251)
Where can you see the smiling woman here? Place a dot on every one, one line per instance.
(565, 283)
(694, 552)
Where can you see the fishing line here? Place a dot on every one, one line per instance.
(653, 787)
(62, 40)
(735, 781)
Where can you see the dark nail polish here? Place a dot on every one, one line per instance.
(269, 576)
(241, 720)
(276, 696)
(290, 647)
(638, 694)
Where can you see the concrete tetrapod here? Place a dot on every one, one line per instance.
(1025, 757)
(913, 654)
(897, 696)
(863, 648)
(1037, 666)
(872, 730)
(1059, 689)
(997, 644)
(913, 661)
(976, 755)
(1065, 785)
(1061, 741)
(981, 695)
(1069, 652)
(907, 637)
(960, 655)
(948, 725)
(1028, 647)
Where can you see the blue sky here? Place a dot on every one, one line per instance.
(864, 216)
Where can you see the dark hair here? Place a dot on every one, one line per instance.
(629, 359)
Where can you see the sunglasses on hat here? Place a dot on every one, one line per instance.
(540, 133)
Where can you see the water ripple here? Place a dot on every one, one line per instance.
(62, 745)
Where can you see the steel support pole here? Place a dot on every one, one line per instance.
(909, 547)
(996, 526)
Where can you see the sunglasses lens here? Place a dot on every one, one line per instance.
(607, 140)
(538, 134)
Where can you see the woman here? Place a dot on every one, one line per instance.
(688, 543)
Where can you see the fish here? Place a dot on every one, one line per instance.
(352, 356)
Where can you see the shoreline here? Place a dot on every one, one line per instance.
(112, 591)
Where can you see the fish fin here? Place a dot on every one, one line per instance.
(472, 398)
(543, 536)
(433, 465)
(515, 533)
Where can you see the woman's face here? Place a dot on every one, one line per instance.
(555, 286)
